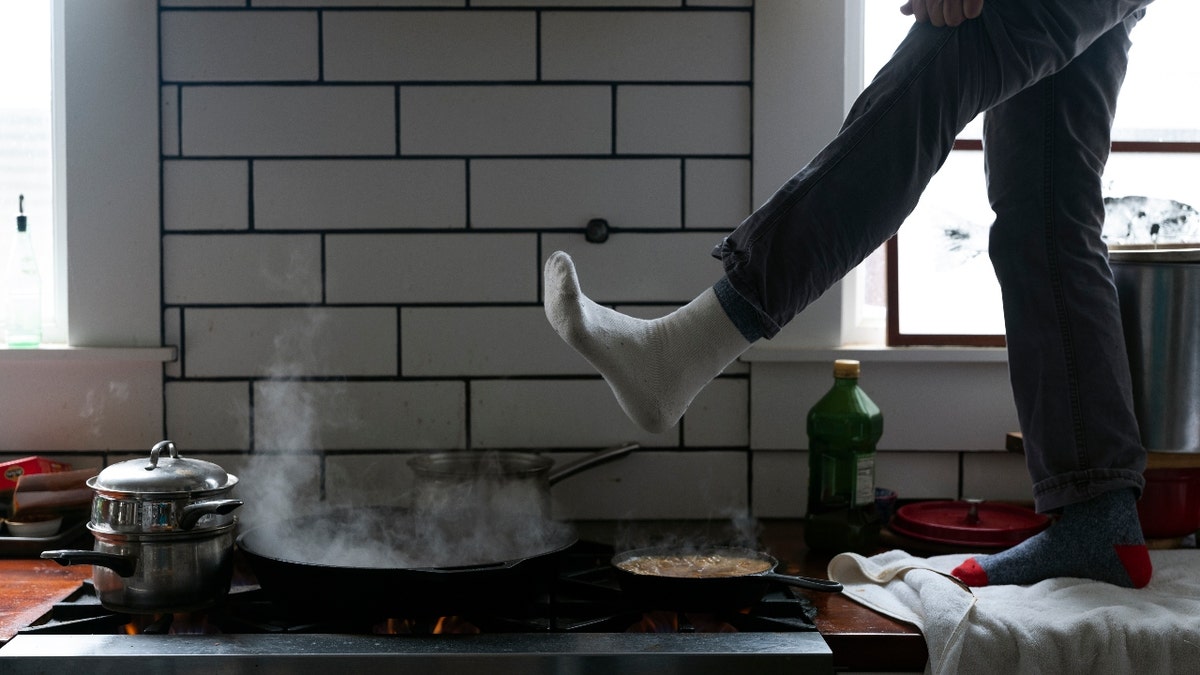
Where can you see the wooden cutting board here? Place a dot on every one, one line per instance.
(31, 587)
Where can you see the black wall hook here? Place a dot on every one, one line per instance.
(596, 231)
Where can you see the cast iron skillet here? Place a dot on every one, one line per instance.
(711, 592)
(310, 587)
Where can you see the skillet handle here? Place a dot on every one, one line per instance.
(826, 585)
(485, 567)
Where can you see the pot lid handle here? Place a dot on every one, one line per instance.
(157, 450)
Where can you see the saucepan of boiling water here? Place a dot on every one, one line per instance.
(512, 484)
(704, 578)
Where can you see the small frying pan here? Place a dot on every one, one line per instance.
(705, 578)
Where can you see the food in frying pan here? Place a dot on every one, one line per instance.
(695, 565)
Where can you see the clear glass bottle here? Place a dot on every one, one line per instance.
(22, 289)
(843, 428)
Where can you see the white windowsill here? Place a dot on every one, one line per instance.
(769, 354)
(65, 353)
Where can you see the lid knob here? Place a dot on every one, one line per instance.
(157, 450)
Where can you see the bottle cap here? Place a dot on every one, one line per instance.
(845, 369)
(21, 222)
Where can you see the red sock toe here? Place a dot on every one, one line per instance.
(1136, 559)
(970, 573)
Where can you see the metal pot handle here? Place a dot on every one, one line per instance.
(587, 462)
(827, 585)
(123, 565)
(192, 513)
(467, 569)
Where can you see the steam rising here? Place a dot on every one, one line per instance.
(734, 529)
(474, 522)
(283, 477)
(478, 519)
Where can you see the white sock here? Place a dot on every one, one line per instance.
(655, 367)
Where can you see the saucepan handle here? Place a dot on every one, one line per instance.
(827, 585)
(588, 461)
(123, 565)
(192, 513)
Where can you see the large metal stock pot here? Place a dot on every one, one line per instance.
(1160, 307)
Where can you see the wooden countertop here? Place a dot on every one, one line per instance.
(31, 587)
(860, 638)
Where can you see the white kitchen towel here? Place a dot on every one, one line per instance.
(1054, 626)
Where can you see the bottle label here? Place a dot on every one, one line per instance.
(864, 484)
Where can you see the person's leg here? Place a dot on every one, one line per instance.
(850, 198)
(858, 190)
(1045, 150)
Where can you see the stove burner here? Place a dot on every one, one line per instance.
(578, 625)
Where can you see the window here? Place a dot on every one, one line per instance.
(1150, 190)
(27, 149)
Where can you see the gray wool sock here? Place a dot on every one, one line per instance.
(1100, 539)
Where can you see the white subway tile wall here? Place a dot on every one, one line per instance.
(358, 197)
(212, 195)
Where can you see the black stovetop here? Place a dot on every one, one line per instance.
(581, 622)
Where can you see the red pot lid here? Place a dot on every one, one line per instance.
(964, 523)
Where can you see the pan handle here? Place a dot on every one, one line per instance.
(479, 568)
(588, 461)
(192, 513)
(122, 565)
(827, 585)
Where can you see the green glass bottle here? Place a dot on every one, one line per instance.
(843, 428)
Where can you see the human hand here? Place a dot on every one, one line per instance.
(942, 12)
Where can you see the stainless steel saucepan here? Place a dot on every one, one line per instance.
(164, 534)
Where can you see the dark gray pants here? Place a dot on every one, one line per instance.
(1048, 74)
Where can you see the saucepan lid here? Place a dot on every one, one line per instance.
(170, 475)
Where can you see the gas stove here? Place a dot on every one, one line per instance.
(580, 622)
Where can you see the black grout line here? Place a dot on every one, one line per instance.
(250, 417)
(541, 281)
(467, 196)
(178, 120)
(613, 120)
(250, 221)
(320, 46)
(162, 227)
(415, 158)
(457, 231)
(324, 275)
(466, 8)
(467, 441)
(457, 84)
(682, 194)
